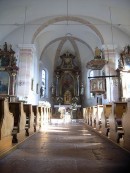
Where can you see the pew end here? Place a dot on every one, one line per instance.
(116, 128)
(6, 119)
(14, 134)
(126, 127)
(107, 110)
(19, 120)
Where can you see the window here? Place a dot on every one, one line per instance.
(43, 84)
(91, 74)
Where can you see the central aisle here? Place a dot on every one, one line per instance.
(66, 148)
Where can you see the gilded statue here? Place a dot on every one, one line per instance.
(98, 53)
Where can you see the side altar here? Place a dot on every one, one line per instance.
(8, 72)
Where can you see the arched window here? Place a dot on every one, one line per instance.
(43, 84)
(91, 74)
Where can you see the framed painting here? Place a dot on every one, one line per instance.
(4, 83)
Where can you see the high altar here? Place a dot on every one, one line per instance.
(67, 88)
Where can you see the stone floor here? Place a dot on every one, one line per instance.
(66, 148)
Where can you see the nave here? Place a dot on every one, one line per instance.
(68, 147)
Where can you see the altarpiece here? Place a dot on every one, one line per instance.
(67, 87)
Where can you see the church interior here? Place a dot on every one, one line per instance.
(65, 86)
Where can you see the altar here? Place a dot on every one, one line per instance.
(67, 88)
(66, 106)
(63, 111)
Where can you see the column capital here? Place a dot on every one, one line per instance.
(27, 46)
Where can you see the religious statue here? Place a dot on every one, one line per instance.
(121, 61)
(98, 53)
(127, 49)
(82, 89)
(52, 89)
(5, 47)
(41, 91)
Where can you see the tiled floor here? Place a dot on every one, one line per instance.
(66, 148)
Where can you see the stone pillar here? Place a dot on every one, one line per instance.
(110, 54)
(25, 84)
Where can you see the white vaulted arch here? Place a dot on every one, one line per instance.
(67, 18)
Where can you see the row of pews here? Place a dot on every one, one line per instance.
(19, 120)
(112, 120)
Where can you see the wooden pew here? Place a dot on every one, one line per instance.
(86, 114)
(98, 117)
(40, 109)
(126, 127)
(45, 115)
(6, 121)
(49, 115)
(90, 116)
(19, 120)
(94, 112)
(29, 119)
(115, 120)
(36, 118)
(107, 110)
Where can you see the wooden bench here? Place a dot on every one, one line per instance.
(6, 120)
(40, 109)
(94, 112)
(126, 127)
(107, 110)
(49, 115)
(29, 119)
(45, 114)
(98, 117)
(84, 114)
(115, 120)
(36, 118)
(19, 120)
(90, 116)
(87, 114)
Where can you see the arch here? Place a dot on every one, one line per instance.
(68, 18)
(63, 39)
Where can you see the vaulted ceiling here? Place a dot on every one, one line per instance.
(64, 24)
